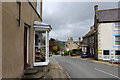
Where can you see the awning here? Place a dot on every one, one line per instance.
(42, 26)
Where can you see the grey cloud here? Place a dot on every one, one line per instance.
(71, 18)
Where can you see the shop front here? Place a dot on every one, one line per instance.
(41, 44)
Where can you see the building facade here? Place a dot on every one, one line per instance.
(18, 37)
(70, 44)
(88, 43)
(107, 26)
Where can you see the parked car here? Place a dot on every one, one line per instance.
(50, 55)
(85, 55)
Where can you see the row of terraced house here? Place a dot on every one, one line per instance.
(102, 42)
(24, 37)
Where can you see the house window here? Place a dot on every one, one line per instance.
(117, 52)
(106, 55)
(106, 52)
(66, 46)
(90, 39)
(93, 50)
(117, 40)
(93, 39)
(117, 26)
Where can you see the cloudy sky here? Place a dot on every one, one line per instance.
(71, 19)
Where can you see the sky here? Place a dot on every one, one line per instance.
(71, 19)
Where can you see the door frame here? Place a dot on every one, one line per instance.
(26, 55)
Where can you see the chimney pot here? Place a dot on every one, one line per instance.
(96, 7)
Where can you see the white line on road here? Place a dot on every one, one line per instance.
(107, 73)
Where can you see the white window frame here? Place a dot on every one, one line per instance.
(116, 25)
(105, 55)
(118, 55)
(47, 28)
(114, 40)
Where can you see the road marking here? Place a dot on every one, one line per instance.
(107, 73)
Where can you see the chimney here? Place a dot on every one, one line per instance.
(95, 8)
(95, 16)
(91, 28)
(79, 38)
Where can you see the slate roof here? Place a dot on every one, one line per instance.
(109, 15)
(89, 33)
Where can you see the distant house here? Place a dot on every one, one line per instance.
(88, 42)
(70, 44)
(107, 34)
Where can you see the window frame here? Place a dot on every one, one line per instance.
(106, 51)
(116, 25)
(115, 41)
(115, 51)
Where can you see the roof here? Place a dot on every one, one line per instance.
(89, 33)
(41, 24)
(108, 15)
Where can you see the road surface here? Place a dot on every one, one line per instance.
(78, 68)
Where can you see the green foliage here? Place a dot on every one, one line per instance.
(55, 48)
(65, 53)
(56, 45)
(72, 52)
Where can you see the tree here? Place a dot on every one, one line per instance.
(55, 48)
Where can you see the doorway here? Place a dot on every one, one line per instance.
(26, 46)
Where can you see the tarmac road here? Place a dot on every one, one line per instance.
(78, 68)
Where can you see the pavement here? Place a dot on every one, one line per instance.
(97, 61)
(56, 71)
(50, 72)
(86, 69)
(70, 68)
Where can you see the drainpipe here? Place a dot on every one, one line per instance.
(41, 7)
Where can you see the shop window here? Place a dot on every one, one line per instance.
(36, 39)
(41, 48)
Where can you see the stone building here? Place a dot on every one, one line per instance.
(17, 37)
(88, 42)
(70, 44)
(107, 35)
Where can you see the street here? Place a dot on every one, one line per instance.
(77, 68)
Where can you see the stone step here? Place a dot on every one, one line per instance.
(35, 76)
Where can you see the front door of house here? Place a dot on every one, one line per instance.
(26, 43)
